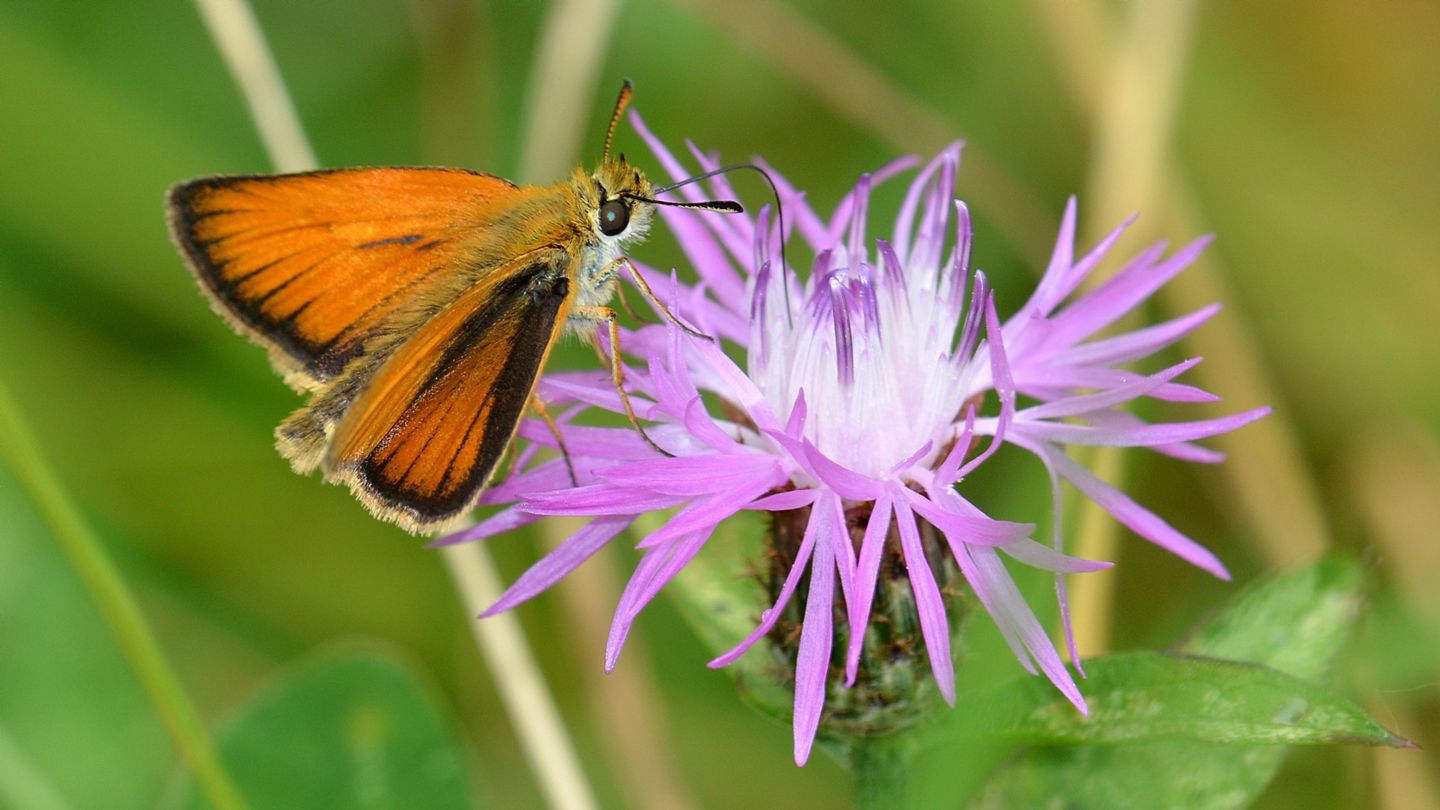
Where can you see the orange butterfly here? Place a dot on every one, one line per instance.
(415, 306)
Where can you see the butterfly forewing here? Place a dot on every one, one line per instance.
(310, 265)
(419, 445)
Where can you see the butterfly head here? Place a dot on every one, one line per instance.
(617, 197)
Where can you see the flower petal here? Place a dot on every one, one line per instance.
(548, 476)
(1120, 294)
(1135, 344)
(795, 425)
(699, 423)
(498, 523)
(1004, 385)
(803, 217)
(850, 485)
(867, 571)
(1047, 382)
(1008, 605)
(949, 469)
(589, 388)
(742, 390)
(934, 624)
(1063, 275)
(842, 215)
(904, 222)
(1143, 435)
(1139, 519)
(598, 499)
(1048, 293)
(1086, 403)
(842, 548)
(794, 449)
(707, 513)
(812, 663)
(688, 476)
(911, 460)
(784, 501)
(585, 440)
(683, 222)
(1057, 542)
(1033, 554)
(974, 529)
(1181, 450)
(565, 558)
(656, 569)
(769, 617)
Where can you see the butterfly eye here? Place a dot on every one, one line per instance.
(614, 217)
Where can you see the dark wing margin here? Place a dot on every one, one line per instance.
(419, 446)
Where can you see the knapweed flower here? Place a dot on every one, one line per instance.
(867, 394)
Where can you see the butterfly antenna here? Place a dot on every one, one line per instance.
(626, 90)
(723, 205)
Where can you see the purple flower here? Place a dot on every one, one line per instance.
(875, 386)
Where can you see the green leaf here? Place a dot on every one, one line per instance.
(1161, 774)
(353, 729)
(1145, 696)
(1296, 623)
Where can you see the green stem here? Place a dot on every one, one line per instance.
(20, 451)
(880, 767)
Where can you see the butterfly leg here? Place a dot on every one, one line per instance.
(538, 406)
(617, 373)
(629, 310)
(656, 302)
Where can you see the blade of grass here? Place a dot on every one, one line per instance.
(562, 85)
(1279, 504)
(20, 784)
(1132, 137)
(237, 34)
(117, 605)
(518, 679)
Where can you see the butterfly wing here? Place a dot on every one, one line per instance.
(419, 444)
(310, 265)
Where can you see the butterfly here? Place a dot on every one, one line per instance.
(416, 307)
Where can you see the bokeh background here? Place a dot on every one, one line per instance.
(1305, 134)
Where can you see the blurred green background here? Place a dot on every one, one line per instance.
(1304, 134)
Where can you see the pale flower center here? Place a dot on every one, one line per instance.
(872, 352)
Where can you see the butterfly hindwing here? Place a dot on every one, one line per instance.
(310, 265)
(420, 443)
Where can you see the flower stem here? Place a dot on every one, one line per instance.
(569, 55)
(522, 688)
(117, 605)
(880, 767)
(1132, 139)
(237, 34)
(641, 758)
